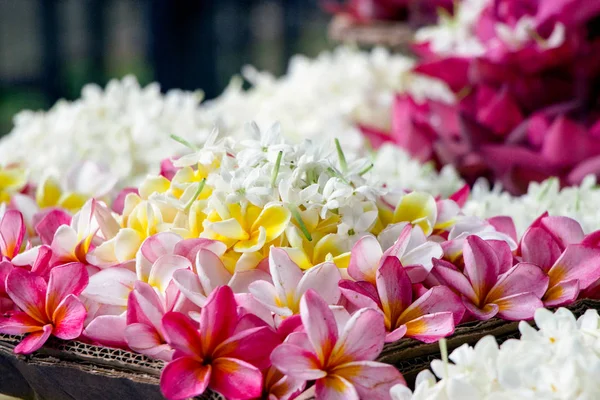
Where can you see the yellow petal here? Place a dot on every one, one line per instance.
(299, 257)
(254, 243)
(419, 209)
(330, 245)
(47, 193)
(154, 184)
(72, 201)
(342, 261)
(230, 228)
(274, 219)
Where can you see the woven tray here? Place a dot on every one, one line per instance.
(74, 370)
(396, 36)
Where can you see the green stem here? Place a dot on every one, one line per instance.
(341, 156)
(276, 168)
(198, 191)
(298, 218)
(184, 142)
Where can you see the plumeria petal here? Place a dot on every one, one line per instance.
(319, 323)
(184, 378)
(522, 278)
(297, 362)
(191, 287)
(286, 274)
(481, 265)
(28, 293)
(323, 279)
(12, 231)
(334, 387)
(353, 344)
(181, 334)
(111, 286)
(163, 268)
(236, 379)
(218, 318)
(562, 294)
(431, 327)
(18, 323)
(68, 318)
(65, 280)
(108, 330)
(577, 262)
(517, 307)
(34, 341)
(394, 288)
(364, 259)
(372, 380)
(275, 219)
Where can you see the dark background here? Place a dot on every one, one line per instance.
(50, 48)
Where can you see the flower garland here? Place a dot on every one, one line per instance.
(560, 360)
(253, 266)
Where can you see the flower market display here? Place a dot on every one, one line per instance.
(285, 241)
(300, 246)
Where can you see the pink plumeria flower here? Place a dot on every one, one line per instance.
(216, 356)
(547, 238)
(212, 273)
(411, 247)
(341, 362)
(289, 284)
(574, 271)
(431, 317)
(72, 242)
(46, 309)
(486, 291)
(144, 333)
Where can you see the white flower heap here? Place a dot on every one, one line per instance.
(559, 361)
(124, 126)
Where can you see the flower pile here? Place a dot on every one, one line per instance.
(524, 76)
(559, 360)
(126, 128)
(253, 267)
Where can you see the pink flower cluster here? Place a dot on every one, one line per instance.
(275, 330)
(527, 104)
(365, 11)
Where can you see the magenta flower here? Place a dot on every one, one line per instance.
(486, 291)
(341, 362)
(216, 355)
(12, 233)
(430, 317)
(46, 308)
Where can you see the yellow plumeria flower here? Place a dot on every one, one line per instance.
(246, 228)
(50, 194)
(12, 180)
(320, 248)
(418, 209)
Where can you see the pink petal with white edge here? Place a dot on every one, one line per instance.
(236, 379)
(159, 245)
(323, 279)
(396, 334)
(5, 268)
(108, 330)
(431, 327)
(211, 271)
(576, 262)
(189, 284)
(163, 268)
(398, 237)
(64, 241)
(562, 294)
(189, 248)
(184, 378)
(68, 318)
(353, 344)
(334, 387)
(111, 286)
(49, 224)
(148, 303)
(522, 278)
(34, 341)
(435, 300)
(28, 292)
(481, 265)
(364, 259)
(453, 279)
(266, 294)
(372, 380)
(18, 323)
(517, 307)
(146, 340)
(319, 324)
(394, 288)
(489, 310)
(286, 274)
(12, 231)
(218, 318)
(181, 334)
(297, 362)
(505, 225)
(565, 229)
(64, 280)
(240, 281)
